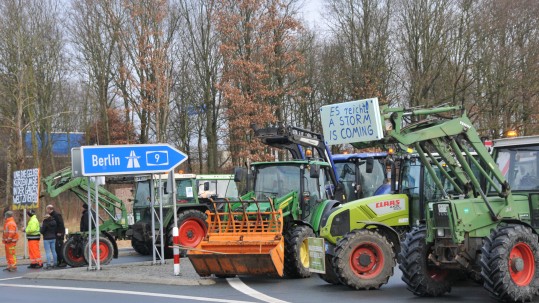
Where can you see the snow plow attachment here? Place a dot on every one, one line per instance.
(241, 241)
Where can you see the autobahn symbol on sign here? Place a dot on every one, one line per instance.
(101, 160)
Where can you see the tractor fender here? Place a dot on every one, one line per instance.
(514, 221)
(201, 207)
(389, 232)
(321, 214)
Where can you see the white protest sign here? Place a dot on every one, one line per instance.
(354, 121)
(26, 188)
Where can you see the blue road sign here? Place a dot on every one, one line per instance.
(101, 160)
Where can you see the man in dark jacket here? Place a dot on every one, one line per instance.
(48, 230)
(60, 233)
(84, 224)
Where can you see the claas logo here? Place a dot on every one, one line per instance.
(389, 203)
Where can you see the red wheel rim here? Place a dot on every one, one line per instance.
(72, 257)
(191, 232)
(103, 251)
(521, 264)
(367, 260)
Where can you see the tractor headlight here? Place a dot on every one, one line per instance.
(440, 232)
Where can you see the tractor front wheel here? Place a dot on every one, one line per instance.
(106, 251)
(331, 275)
(509, 263)
(364, 259)
(73, 251)
(422, 278)
(192, 228)
(296, 252)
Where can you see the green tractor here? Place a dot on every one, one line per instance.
(192, 193)
(483, 230)
(113, 225)
(266, 230)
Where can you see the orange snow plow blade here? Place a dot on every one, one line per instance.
(241, 243)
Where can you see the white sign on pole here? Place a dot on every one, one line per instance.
(26, 188)
(354, 121)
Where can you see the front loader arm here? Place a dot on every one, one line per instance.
(63, 180)
(450, 138)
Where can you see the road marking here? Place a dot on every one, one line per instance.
(10, 278)
(242, 287)
(126, 292)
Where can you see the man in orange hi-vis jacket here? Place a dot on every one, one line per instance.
(9, 239)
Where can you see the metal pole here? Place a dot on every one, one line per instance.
(175, 232)
(152, 201)
(25, 244)
(171, 173)
(161, 221)
(98, 261)
(89, 202)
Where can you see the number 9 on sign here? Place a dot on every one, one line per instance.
(155, 158)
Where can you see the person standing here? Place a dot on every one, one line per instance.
(33, 235)
(48, 230)
(9, 239)
(60, 234)
(84, 224)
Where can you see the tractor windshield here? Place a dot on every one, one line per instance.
(368, 181)
(276, 181)
(520, 167)
(279, 180)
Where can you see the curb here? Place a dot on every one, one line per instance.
(139, 272)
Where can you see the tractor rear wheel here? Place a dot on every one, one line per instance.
(141, 247)
(364, 259)
(192, 228)
(73, 251)
(106, 251)
(422, 278)
(509, 263)
(296, 252)
(330, 276)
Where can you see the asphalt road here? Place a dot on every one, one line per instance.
(21, 287)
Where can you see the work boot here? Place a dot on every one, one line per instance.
(39, 266)
(6, 269)
(61, 264)
(32, 265)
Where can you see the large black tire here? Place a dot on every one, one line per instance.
(192, 228)
(364, 259)
(296, 252)
(73, 251)
(509, 263)
(106, 251)
(422, 278)
(330, 276)
(141, 247)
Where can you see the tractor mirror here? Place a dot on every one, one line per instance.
(370, 165)
(314, 171)
(239, 174)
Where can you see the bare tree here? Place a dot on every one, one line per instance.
(94, 31)
(362, 32)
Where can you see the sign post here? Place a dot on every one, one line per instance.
(25, 194)
(102, 160)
